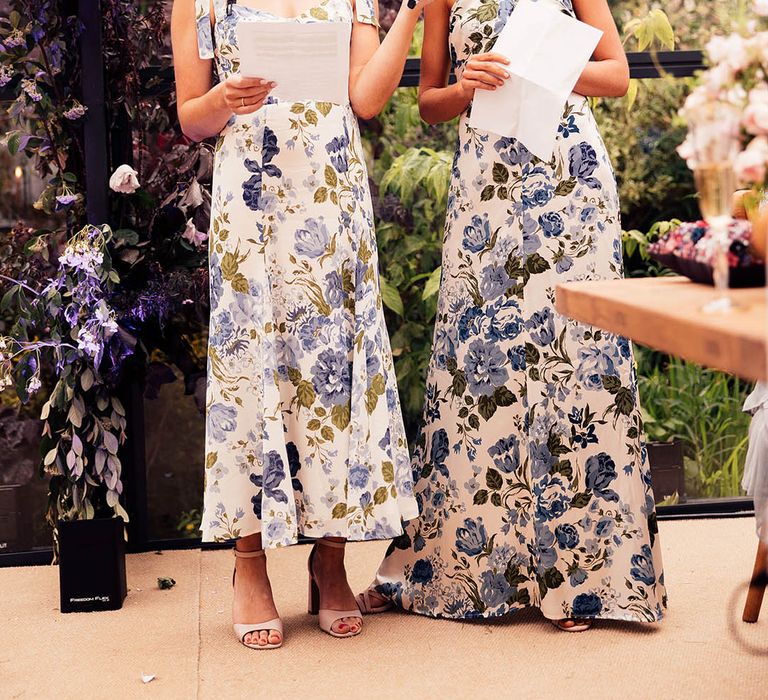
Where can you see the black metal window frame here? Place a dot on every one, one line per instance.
(97, 140)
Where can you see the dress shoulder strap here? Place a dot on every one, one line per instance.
(365, 12)
(204, 31)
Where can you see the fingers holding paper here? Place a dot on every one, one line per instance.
(484, 72)
(246, 95)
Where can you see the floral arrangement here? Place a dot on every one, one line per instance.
(84, 423)
(738, 75)
(689, 241)
(83, 305)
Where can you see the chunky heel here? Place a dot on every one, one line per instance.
(313, 594)
(327, 618)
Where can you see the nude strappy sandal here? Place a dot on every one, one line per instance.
(244, 629)
(326, 617)
(369, 608)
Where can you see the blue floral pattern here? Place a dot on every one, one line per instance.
(530, 471)
(304, 429)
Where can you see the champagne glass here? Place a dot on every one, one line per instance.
(714, 131)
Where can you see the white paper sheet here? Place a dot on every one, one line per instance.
(547, 53)
(308, 61)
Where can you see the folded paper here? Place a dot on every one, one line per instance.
(308, 61)
(547, 51)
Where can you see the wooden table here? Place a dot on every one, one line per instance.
(665, 313)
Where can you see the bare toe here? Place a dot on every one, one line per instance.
(340, 626)
(274, 637)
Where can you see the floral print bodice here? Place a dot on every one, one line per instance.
(475, 25)
(220, 41)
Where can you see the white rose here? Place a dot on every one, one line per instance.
(687, 152)
(124, 180)
(760, 7)
(755, 117)
(750, 164)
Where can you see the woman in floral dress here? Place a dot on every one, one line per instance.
(304, 431)
(531, 475)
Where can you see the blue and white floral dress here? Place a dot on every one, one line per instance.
(531, 475)
(304, 432)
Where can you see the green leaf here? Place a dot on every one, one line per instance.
(327, 433)
(388, 472)
(480, 498)
(331, 179)
(553, 578)
(86, 379)
(631, 97)
(486, 406)
(494, 480)
(339, 511)
(380, 495)
(503, 396)
(391, 297)
(321, 194)
(611, 383)
(340, 415)
(305, 393)
(500, 173)
(565, 187)
(433, 284)
(625, 401)
(487, 194)
(581, 500)
(535, 264)
(324, 108)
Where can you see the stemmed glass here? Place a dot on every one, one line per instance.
(714, 135)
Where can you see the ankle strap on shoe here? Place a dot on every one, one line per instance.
(248, 554)
(331, 543)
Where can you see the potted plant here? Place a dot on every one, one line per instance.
(67, 324)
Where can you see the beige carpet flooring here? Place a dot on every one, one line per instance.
(183, 637)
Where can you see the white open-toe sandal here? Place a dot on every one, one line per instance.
(244, 629)
(367, 606)
(326, 617)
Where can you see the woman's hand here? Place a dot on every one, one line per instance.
(483, 72)
(245, 95)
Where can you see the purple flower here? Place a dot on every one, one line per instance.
(484, 368)
(332, 377)
(478, 234)
(312, 240)
(583, 162)
(472, 538)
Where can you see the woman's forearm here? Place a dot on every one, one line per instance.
(377, 80)
(205, 116)
(441, 104)
(607, 78)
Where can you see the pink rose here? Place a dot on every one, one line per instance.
(750, 164)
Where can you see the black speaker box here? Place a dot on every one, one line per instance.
(92, 565)
(10, 516)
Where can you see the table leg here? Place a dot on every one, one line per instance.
(757, 585)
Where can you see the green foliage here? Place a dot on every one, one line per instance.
(654, 182)
(701, 407)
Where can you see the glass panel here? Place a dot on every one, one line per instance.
(23, 493)
(175, 438)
